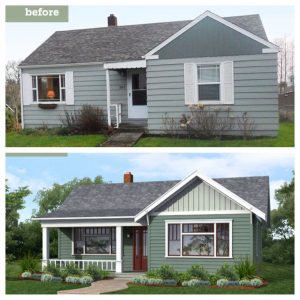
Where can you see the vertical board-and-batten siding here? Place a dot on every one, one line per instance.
(255, 90)
(199, 196)
(242, 244)
(89, 89)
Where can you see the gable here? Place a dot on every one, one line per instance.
(210, 38)
(199, 196)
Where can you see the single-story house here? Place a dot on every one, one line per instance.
(138, 226)
(138, 73)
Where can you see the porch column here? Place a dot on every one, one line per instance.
(119, 232)
(108, 97)
(45, 246)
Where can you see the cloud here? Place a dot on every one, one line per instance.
(34, 184)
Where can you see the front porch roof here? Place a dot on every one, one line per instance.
(134, 64)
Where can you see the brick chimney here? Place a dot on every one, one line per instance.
(128, 177)
(112, 20)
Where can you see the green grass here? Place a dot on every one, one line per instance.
(281, 281)
(14, 285)
(285, 138)
(14, 139)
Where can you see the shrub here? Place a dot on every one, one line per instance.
(140, 280)
(245, 282)
(29, 263)
(46, 277)
(71, 269)
(153, 274)
(207, 122)
(10, 120)
(53, 270)
(26, 274)
(86, 280)
(10, 257)
(88, 119)
(170, 126)
(245, 269)
(196, 283)
(222, 282)
(94, 272)
(226, 271)
(166, 272)
(57, 279)
(36, 276)
(246, 125)
(170, 282)
(256, 282)
(72, 279)
(183, 277)
(155, 281)
(198, 272)
(213, 279)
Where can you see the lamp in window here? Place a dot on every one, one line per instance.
(50, 94)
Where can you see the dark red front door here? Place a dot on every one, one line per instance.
(140, 249)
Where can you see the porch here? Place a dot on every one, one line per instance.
(126, 94)
(119, 249)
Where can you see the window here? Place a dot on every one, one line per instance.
(48, 88)
(95, 240)
(211, 239)
(209, 82)
(139, 90)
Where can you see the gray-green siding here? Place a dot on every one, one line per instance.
(255, 91)
(242, 243)
(89, 89)
(199, 196)
(257, 240)
(210, 38)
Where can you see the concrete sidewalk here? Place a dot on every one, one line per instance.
(99, 287)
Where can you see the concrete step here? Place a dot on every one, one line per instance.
(131, 127)
(129, 275)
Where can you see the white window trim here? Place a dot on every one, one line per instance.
(181, 222)
(212, 102)
(88, 254)
(60, 101)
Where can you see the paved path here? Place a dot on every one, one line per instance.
(99, 287)
(122, 139)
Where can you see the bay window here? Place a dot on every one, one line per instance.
(48, 88)
(95, 240)
(199, 239)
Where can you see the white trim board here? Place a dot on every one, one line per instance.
(83, 218)
(135, 64)
(209, 181)
(61, 65)
(219, 19)
(200, 213)
(96, 224)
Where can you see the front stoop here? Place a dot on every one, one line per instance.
(123, 139)
(99, 287)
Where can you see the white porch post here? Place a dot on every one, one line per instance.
(119, 231)
(45, 246)
(108, 97)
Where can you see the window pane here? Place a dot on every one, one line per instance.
(174, 239)
(198, 227)
(113, 240)
(62, 80)
(78, 241)
(209, 92)
(223, 239)
(97, 245)
(33, 82)
(198, 245)
(139, 97)
(34, 95)
(209, 73)
(48, 87)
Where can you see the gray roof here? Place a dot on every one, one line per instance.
(117, 43)
(119, 199)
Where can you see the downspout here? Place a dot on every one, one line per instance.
(108, 97)
(21, 99)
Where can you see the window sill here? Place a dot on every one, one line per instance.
(49, 102)
(93, 254)
(201, 257)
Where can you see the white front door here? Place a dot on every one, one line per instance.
(137, 94)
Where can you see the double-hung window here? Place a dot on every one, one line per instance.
(48, 88)
(95, 240)
(209, 85)
(199, 239)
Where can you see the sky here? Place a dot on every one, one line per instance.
(278, 22)
(42, 171)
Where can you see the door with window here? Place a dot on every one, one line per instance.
(137, 94)
(140, 249)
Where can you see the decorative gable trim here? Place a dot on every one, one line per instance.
(219, 19)
(209, 181)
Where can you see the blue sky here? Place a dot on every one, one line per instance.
(278, 22)
(41, 172)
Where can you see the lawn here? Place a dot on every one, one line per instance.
(14, 139)
(285, 138)
(14, 285)
(281, 281)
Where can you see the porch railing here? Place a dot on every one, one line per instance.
(108, 265)
(118, 113)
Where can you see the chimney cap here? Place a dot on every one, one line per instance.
(128, 177)
(112, 20)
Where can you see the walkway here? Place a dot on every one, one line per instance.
(122, 139)
(99, 287)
